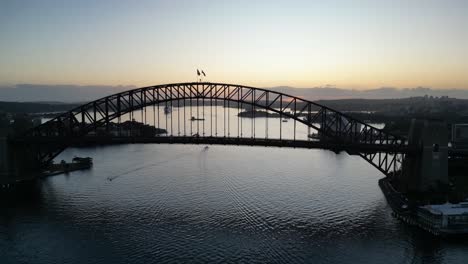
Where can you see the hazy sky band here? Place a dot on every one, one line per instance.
(359, 44)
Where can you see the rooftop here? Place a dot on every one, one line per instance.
(447, 208)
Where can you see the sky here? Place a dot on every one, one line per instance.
(349, 44)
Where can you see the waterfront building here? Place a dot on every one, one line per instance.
(445, 218)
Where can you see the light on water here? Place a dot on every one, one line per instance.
(107, 108)
(169, 203)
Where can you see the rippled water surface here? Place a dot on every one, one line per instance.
(181, 203)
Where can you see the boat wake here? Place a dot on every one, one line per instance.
(177, 157)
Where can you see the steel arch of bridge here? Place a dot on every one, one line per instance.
(383, 150)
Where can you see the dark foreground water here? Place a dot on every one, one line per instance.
(179, 203)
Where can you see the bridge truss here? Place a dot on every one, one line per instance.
(199, 101)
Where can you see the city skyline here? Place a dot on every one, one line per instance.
(348, 44)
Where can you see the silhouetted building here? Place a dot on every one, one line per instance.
(460, 136)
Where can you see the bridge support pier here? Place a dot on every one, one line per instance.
(427, 170)
(17, 163)
(4, 162)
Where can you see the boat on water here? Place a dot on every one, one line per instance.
(167, 110)
(314, 136)
(197, 119)
(78, 163)
(86, 160)
(284, 120)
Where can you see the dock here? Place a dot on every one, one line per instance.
(77, 163)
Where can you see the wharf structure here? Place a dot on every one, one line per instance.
(421, 199)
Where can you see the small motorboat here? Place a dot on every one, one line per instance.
(197, 119)
(314, 136)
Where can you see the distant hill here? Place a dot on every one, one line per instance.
(57, 93)
(43, 107)
(327, 93)
(76, 93)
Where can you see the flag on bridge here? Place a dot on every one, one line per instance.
(198, 72)
(203, 73)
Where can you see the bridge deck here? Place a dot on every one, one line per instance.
(354, 148)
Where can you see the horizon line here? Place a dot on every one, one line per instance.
(326, 86)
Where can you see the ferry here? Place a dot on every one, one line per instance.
(78, 163)
(80, 160)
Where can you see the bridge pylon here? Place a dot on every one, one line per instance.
(18, 163)
(427, 169)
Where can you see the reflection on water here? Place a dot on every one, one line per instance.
(220, 122)
(182, 203)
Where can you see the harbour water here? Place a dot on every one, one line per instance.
(184, 203)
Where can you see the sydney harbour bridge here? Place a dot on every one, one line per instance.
(227, 114)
